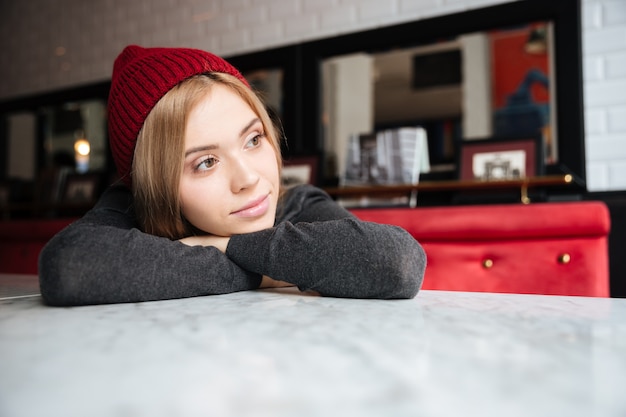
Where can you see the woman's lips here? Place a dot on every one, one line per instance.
(255, 208)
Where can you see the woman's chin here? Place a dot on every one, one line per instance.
(256, 227)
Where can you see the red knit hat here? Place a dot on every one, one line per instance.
(141, 76)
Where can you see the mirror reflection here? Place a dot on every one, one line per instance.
(75, 136)
(268, 83)
(482, 85)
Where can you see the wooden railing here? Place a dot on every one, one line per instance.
(523, 184)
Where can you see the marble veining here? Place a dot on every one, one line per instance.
(282, 353)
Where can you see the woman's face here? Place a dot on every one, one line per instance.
(230, 181)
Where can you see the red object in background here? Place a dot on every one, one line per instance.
(489, 248)
(511, 62)
(540, 248)
(22, 240)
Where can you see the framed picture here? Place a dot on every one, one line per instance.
(299, 170)
(498, 159)
(80, 187)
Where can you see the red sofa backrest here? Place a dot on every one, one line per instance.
(22, 240)
(541, 248)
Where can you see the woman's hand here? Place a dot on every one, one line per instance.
(219, 242)
(268, 282)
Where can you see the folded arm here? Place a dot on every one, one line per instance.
(316, 245)
(320, 246)
(104, 258)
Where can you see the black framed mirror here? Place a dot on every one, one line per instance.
(60, 119)
(48, 137)
(558, 22)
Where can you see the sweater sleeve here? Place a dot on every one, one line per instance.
(104, 258)
(320, 246)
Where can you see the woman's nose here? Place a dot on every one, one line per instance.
(243, 175)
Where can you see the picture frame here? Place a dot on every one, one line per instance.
(299, 170)
(500, 159)
(80, 188)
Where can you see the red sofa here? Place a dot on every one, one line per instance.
(22, 240)
(541, 248)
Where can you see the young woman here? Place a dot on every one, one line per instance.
(206, 214)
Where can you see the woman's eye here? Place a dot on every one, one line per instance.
(207, 163)
(255, 141)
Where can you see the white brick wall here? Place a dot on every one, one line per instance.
(604, 51)
(93, 32)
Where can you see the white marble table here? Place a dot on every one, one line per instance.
(279, 353)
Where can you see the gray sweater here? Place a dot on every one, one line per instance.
(315, 244)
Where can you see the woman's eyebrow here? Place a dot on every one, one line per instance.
(249, 125)
(200, 149)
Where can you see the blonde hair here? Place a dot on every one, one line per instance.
(159, 153)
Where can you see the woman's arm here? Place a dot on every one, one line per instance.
(104, 258)
(322, 247)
